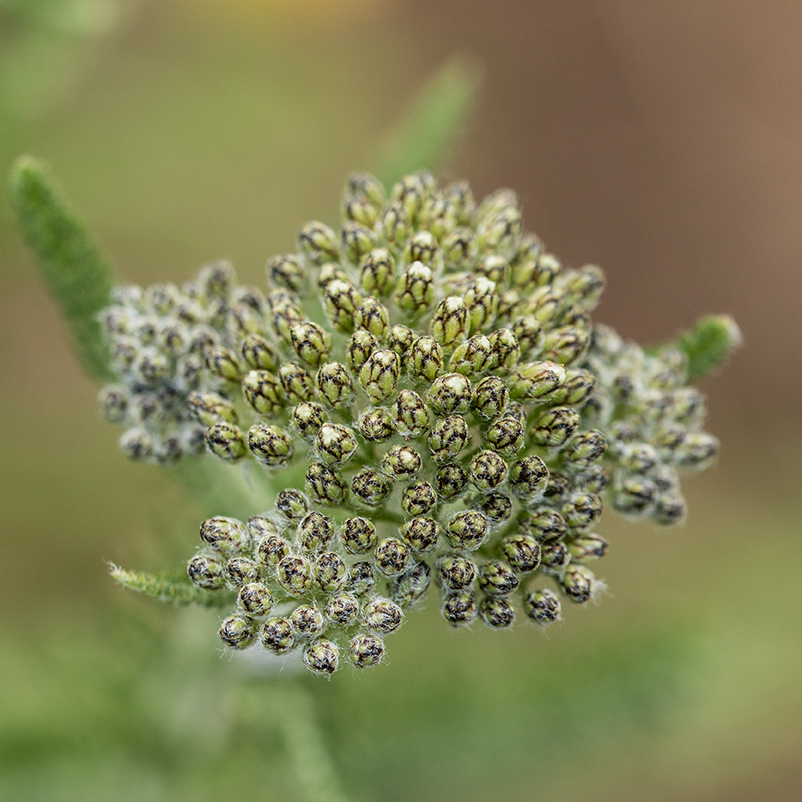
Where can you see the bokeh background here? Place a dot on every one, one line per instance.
(660, 140)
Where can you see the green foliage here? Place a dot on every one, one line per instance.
(169, 587)
(75, 271)
(433, 122)
(708, 344)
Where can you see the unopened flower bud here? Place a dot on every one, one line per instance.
(325, 484)
(341, 301)
(365, 650)
(292, 504)
(554, 427)
(372, 316)
(361, 578)
(318, 243)
(468, 530)
(490, 398)
(450, 481)
(272, 549)
(459, 608)
(342, 609)
(206, 572)
(500, 233)
(370, 487)
(448, 437)
(697, 451)
(633, 496)
(254, 599)
(292, 573)
(276, 635)
(421, 534)
(236, 632)
(367, 186)
(307, 418)
(311, 342)
(113, 402)
(270, 445)
(582, 511)
(505, 436)
(450, 394)
(583, 450)
(488, 470)
(411, 586)
(579, 584)
(565, 345)
(315, 531)
(410, 415)
(554, 557)
(376, 425)
(378, 271)
(358, 535)
(577, 388)
(382, 615)
(528, 478)
(522, 552)
(424, 359)
(259, 353)
(211, 408)
(543, 607)
(497, 578)
(287, 271)
(296, 383)
(225, 535)
(392, 556)
(335, 443)
(322, 657)
(418, 498)
(361, 211)
(458, 248)
(587, 548)
(226, 442)
(361, 345)
(306, 621)
(402, 462)
(496, 612)
(669, 509)
(536, 380)
(379, 375)
(223, 364)
(450, 322)
(396, 224)
(473, 356)
(496, 506)
(262, 391)
(482, 302)
(544, 524)
(414, 291)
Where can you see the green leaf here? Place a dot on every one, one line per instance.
(74, 269)
(708, 344)
(172, 587)
(426, 135)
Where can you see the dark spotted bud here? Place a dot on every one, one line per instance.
(270, 445)
(370, 487)
(448, 437)
(272, 549)
(330, 572)
(554, 427)
(382, 615)
(687, 406)
(402, 463)
(262, 391)
(582, 511)
(473, 356)
(545, 306)
(490, 398)
(356, 241)
(318, 243)
(361, 578)
(543, 607)
(341, 300)
(450, 394)
(450, 481)
(287, 271)
(410, 415)
(392, 556)
(669, 509)
(528, 478)
(579, 584)
(496, 578)
(418, 498)
(322, 657)
(226, 442)
(113, 402)
(697, 451)
(335, 443)
(365, 650)
(505, 350)
(496, 506)
(276, 635)
(311, 342)
(236, 632)
(566, 344)
(501, 232)
(633, 496)
(358, 535)
(211, 408)
(638, 458)
(412, 585)
(493, 267)
(505, 436)
(377, 271)
(412, 191)
(488, 470)
(424, 359)
(376, 425)
(366, 186)
(372, 316)
(400, 340)
(361, 345)
(554, 557)
(668, 439)
(259, 353)
(421, 534)
(306, 621)
(522, 552)
(414, 290)
(330, 271)
(584, 450)
(293, 575)
(342, 609)
(585, 286)
(254, 599)
(468, 530)
(222, 363)
(456, 572)
(396, 224)
(206, 572)
(459, 608)
(458, 248)
(324, 484)
(315, 531)
(292, 504)
(460, 204)
(307, 418)
(496, 612)
(296, 383)
(482, 301)
(379, 375)
(422, 247)
(450, 322)
(360, 210)
(544, 524)
(536, 380)
(587, 549)
(578, 387)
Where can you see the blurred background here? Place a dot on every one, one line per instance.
(662, 141)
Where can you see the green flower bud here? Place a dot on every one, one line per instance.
(448, 437)
(287, 271)
(505, 436)
(356, 241)
(222, 363)
(379, 375)
(431, 216)
(450, 394)
(554, 557)
(488, 470)
(422, 247)
(226, 442)
(206, 572)
(414, 290)
(377, 271)
(211, 408)
(496, 612)
(412, 585)
(578, 584)
(254, 599)
(595, 479)
(633, 496)
(528, 478)
(450, 481)
(322, 657)
(459, 608)
(272, 549)
(418, 498)
(382, 615)
(698, 451)
(400, 340)
(482, 301)
(236, 632)
(396, 224)
(410, 415)
(578, 386)
(565, 345)
(361, 578)
(545, 305)
(490, 398)
(361, 211)
(293, 574)
(376, 425)
(460, 205)
(468, 530)
(361, 345)
(543, 523)
(587, 548)
(472, 356)
(495, 268)
(425, 359)
(370, 487)
(496, 578)
(392, 556)
(318, 243)
(583, 450)
(216, 279)
(276, 635)
(555, 426)
(456, 572)
(152, 367)
(259, 353)
(330, 572)
(335, 443)
(450, 322)
(296, 383)
(364, 185)
(688, 406)
(310, 342)
(307, 418)
(638, 458)
(543, 607)
(585, 285)
(402, 462)
(411, 191)
(669, 509)
(421, 534)
(500, 233)
(342, 609)
(325, 485)
(292, 504)
(358, 535)
(536, 380)
(315, 531)
(365, 650)
(496, 506)
(262, 391)
(668, 439)
(372, 316)
(306, 621)
(458, 248)
(270, 445)
(113, 402)
(522, 552)
(341, 300)
(330, 271)
(582, 511)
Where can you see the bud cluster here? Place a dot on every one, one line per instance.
(456, 415)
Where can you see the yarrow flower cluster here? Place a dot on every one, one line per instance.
(433, 374)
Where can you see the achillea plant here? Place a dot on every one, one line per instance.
(432, 402)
